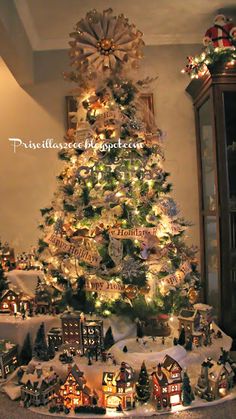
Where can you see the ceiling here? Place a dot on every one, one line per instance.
(48, 22)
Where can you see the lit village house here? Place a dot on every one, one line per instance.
(38, 386)
(119, 388)
(215, 380)
(12, 302)
(8, 358)
(197, 323)
(74, 392)
(167, 383)
(81, 335)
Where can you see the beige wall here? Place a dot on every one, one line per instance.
(38, 112)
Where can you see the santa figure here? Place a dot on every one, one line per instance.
(222, 34)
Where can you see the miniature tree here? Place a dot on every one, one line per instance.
(181, 340)
(3, 281)
(40, 349)
(51, 349)
(125, 349)
(26, 351)
(109, 339)
(112, 219)
(189, 343)
(187, 393)
(142, 386)
(175, 341)
(20, 374)
(139, 329)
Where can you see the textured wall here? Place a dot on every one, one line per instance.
(28, 176)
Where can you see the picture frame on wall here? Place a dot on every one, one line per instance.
(71, 107)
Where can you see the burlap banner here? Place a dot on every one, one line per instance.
(176, 278)
(85, 255)
(139, 233)
(99, 285)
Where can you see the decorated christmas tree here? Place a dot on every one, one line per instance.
(112, 236)
(142, 386)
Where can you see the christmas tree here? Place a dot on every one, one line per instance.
(142, 386)
(112, 237)
(26, 351)
(109, 339)
(187, 393)
(40, 349)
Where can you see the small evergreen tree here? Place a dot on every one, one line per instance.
(26, 351)
(181, 340)
(189, 344)
(51, 350)
(125, 349)
(20, 374)
(40, 350)
(109, 339)
(175, 341)
(142, 386)
(139, 329)
(187, 393)
(3, 281)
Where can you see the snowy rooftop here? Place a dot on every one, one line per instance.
(35, 379)
(71, 315)
(6, 345)
(202, 307)
(187, 314)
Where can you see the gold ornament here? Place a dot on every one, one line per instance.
(144, 290)
(131, 291)
(193, 295)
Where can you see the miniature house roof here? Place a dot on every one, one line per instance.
(187, 314)
(160, 379)
(36, 381)
(217, 369)
(71, 315)
(6, 292)
(202, 307)
(55, 331)
(170, 364)
(93, 322)
(79, 378)
(5, 346)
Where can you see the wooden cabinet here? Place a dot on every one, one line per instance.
(214, 99)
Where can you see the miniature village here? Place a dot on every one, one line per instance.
(72, 362)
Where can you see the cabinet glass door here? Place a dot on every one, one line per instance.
(230, 132)
(209, 206)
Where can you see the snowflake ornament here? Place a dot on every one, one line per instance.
(102, 41)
